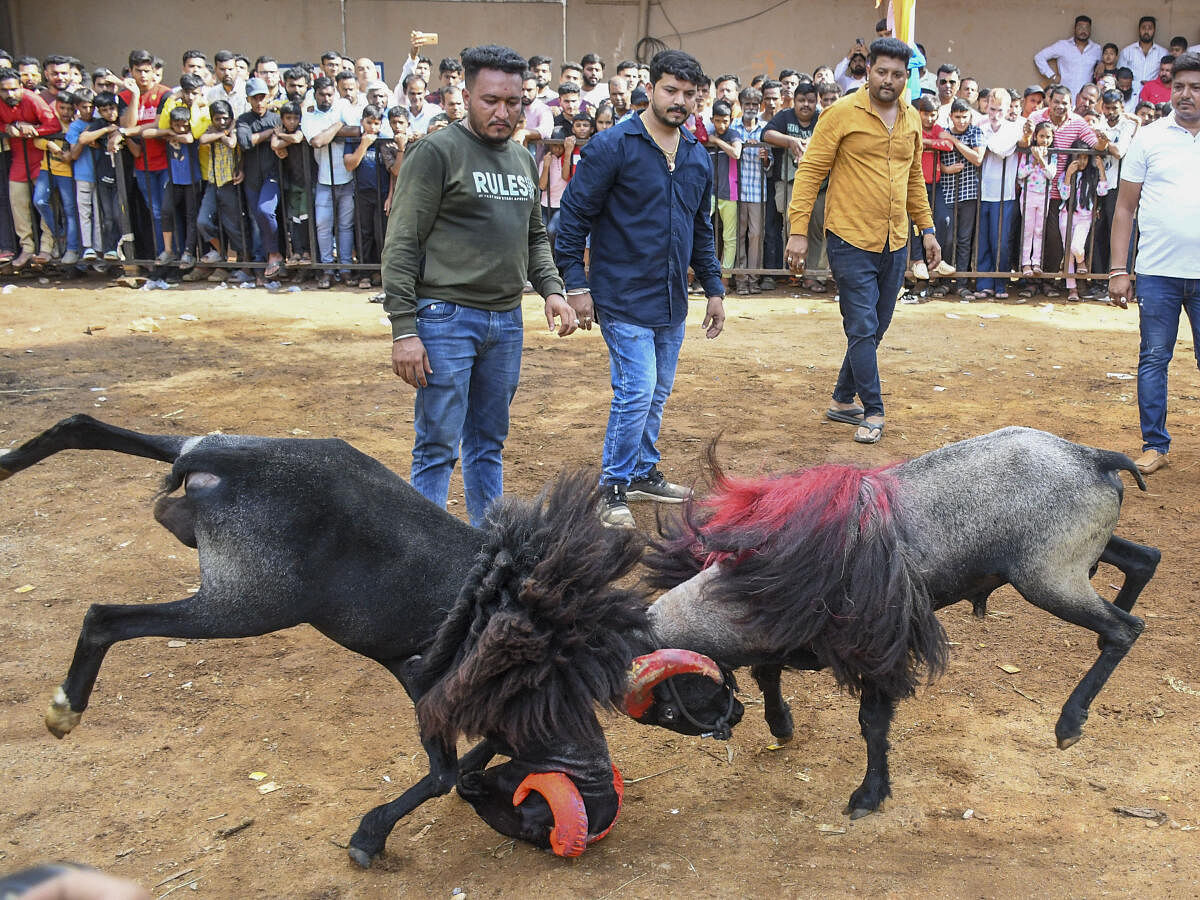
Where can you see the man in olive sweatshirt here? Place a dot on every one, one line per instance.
(464, 233)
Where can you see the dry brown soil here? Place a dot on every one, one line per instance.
(162, 758)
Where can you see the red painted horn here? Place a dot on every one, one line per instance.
(653, 668)
(570, 834)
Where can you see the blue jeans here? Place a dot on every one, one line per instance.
(263, 201)
(64, 186)
(642, 364)
(341, 195)
(152, 186)
(997, 232)
(867, 286)
(942, 214)
(1160, 300)
(476, 360)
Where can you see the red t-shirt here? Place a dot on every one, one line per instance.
(154, 153)
(1155, 91)
(31, 109)
(929, 158)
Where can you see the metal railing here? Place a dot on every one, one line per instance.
(298, 233)
(1008, 231)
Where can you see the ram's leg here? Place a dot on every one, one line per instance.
(82, 432)
(1136, 562)
(875, 718)
(107, 624)
(775, 708)
(1070, 596)
(372, 834)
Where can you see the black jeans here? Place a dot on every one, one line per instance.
(369, 210)
(107, 207)
(963, 216)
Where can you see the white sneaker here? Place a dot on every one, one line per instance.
(944, 268)
(920, 270)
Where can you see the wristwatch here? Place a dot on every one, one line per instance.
(925, 231)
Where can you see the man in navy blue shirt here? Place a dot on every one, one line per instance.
(642, 190)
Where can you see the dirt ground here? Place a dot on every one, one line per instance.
(984, 804)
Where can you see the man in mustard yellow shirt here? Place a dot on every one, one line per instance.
(869, 146)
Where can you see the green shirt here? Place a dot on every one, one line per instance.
(465, 227)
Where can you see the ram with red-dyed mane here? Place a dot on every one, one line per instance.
(843, 568)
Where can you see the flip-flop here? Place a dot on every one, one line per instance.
(853, 416)
(874, 433)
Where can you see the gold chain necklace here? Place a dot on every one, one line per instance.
(669, 154)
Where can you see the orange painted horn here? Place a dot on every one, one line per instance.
(569, 837)
(653, 668)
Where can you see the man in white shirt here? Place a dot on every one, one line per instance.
(1076, 57)
(998, 216)
(851, 72)
(1160, 183)
(229, 86)
(1119, 127)
(324, 128)
(420, 110)
(1142, 56)
(594, 89)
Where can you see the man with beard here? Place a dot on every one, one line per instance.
(1143, 55)
(791, 130)
(464, 233)
(540, 67)
(56, 74)
(295, 86)
(851, 72)
(539, 118)
(1075, 57)
(643, 192)
(594, 89)
(868, 146)
(229, 87)
(1159, 90)
(325, 129)
(24, 116)
(1160, 184)
(29, 70)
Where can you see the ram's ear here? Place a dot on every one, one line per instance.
(656, 667)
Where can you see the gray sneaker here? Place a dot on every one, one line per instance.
(614, 511)
(70, 258)
(656, 487)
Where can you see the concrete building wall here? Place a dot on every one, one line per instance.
(995, 40)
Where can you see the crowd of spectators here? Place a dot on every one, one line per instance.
(256, 169)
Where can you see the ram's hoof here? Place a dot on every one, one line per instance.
(1068, 740)
(361, 857)
(60, 718)
(858, 812)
